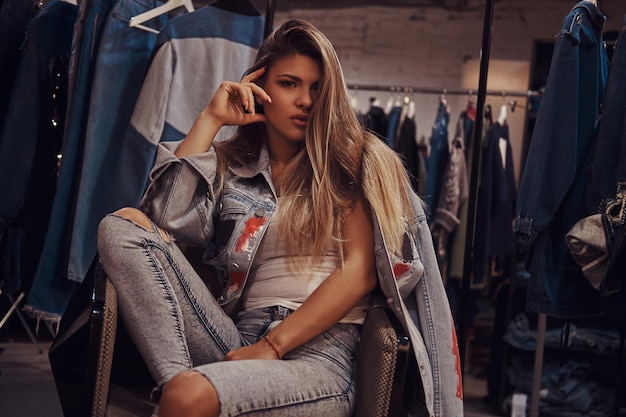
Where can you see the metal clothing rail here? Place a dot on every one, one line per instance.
(474, 154)
(407, 89)
(270, 9)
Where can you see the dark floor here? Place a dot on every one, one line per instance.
(27, 387)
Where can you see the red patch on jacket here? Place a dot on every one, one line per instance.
(252, 226)
(399, 269)
(236, 281)
(455, 352)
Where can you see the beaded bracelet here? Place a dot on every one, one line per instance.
(269, 342)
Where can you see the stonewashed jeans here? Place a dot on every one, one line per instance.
(177, 324)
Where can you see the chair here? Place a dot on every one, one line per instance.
(99, 372)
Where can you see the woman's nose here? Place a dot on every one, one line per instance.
(304, 100)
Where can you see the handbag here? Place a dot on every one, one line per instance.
(597, 244)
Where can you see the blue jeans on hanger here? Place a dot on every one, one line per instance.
(554, 179)
(32, 134)
(51, 290)
(438, 156)
(122, 61)
(393, 121)
(28, 119)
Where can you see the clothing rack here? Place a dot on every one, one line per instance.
(474, 153)
(408, 89)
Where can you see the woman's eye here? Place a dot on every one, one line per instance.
(287, 83)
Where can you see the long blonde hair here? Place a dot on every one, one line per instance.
(339, 164)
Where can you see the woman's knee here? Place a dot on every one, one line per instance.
(113, 228)
(114, 223)
(110, 224)
(136, 216)
(139, 218)
(188, 393)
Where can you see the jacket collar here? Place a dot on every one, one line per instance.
(597, 17)
(257, 167)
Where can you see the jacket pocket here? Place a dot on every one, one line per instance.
(232, 208)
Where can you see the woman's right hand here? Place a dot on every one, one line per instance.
(233, 103)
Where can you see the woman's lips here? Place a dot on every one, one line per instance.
(299, 121)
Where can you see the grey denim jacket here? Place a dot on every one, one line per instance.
(181, 199)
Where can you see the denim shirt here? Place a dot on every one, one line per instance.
(182, 199)
(554, 178)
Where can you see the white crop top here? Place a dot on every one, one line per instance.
(275, 280)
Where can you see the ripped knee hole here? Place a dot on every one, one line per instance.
(140, 219)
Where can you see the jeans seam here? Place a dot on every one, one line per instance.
(200, 312)
(169, 297)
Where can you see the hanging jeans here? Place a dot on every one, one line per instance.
(15, 16)
(393, 121)
(32, 134)
(437, 158)
(51, 290)
(122, 61)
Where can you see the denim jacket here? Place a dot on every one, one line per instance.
(555, 175)
(182, 199)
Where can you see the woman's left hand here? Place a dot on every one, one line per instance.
(259, 350)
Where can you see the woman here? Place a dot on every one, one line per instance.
(292, 210)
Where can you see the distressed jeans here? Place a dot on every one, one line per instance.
(177, 324)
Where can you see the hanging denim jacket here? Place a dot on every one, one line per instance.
(181, 198)
(555, 175)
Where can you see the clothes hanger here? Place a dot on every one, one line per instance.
(390, 100)
(244, 7)
(407, 98)
(443, 97)
(411, 111)
(397, 101)
(136, 21)
(504, 111)
(471, 105)
(471, 100)
(503, 114)
(488, 114)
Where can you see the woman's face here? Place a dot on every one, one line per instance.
(292, 83)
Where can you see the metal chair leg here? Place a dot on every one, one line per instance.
(20, 316)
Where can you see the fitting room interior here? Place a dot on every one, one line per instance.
(425, 51)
